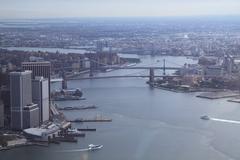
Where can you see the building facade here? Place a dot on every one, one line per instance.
(38, 68)
(30, 116)
(1, 112)
(20, 97)
(5, 96)
(40, 96)
(42, 69)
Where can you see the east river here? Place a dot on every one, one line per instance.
(148, 124)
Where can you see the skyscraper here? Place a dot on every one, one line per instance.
(5, 96)
(30, 116)
(38, 68)
(21, 99)
(41, 97)
(1, 112)
(42, 69)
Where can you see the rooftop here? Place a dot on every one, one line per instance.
(21, 73)
(36, 63)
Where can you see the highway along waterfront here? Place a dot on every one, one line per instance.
(146, 123)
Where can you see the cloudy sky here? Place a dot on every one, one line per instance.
(118, 8)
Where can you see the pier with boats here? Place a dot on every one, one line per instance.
(96, 119)
(81, 107)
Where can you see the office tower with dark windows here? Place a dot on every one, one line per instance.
(1, 112)
(30, 116)
(38, 68)
(21, 99)
(5, 97)
(40, 96)
(42, 69)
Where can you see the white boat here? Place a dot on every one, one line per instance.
(92, 147)
(109, 70)
(73, 131)
(131, 64)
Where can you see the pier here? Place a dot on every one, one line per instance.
(87, 129)
(81, 120)
(27, 144)
(235, 100)
(66, 139)
(77, 108)
(219, 95)
(67, 135)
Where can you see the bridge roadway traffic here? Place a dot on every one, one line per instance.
(139, 67)
(107, 77)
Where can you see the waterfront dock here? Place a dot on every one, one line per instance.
(27, 144)
(65, 139)
(81, 120)
(219, 95)
(77, 108)
(235, 100)
(68, 98)
(87, 129)
(74, 135)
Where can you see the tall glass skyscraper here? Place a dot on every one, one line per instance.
(21, 101)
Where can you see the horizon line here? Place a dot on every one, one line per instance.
(126, 17)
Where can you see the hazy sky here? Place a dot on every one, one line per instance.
(111, 8)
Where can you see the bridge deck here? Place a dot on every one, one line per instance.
(107, 77)
(117, 67)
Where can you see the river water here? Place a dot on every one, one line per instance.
(147, 123)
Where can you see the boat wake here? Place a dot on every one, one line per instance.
(225, 120)
(74, 150)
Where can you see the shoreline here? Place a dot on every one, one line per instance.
(27, 144)
(207, 93)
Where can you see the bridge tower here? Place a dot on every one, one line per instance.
(151, 75)
(164, 67)
(64, 81)
(91, 69)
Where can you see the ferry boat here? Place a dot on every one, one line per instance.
(67, 94)
(74, 132)
(92, 147)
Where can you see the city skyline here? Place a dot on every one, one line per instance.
(150, 87)
(14, 9)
